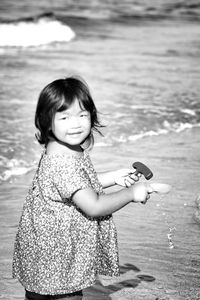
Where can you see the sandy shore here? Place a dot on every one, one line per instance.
(149, 268)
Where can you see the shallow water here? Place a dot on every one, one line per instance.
(144, 80)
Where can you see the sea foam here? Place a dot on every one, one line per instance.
(35, 33)
(13, 167)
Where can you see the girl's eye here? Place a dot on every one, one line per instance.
(64, 118)
(84, 115)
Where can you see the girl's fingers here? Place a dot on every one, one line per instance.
(134, 177)
(129, 181)
(126, 177)
(145, 201)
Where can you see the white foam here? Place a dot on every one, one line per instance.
(179, 126)
(175, 127)
(13, 167)
(147, 133)
(188, 111)
(149, 107)
(14, 172)
(183, 126)
(25, 34)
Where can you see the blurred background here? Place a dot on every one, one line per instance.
(141, 60)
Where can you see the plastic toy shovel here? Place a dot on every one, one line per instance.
(160, 188)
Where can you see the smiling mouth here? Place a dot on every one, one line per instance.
(74, 133)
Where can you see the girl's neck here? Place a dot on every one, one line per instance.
(62, 148)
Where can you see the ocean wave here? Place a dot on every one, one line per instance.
(34, 31)
(176, 127)
(149, 133)
(188, 111)
(196, 214)
(101, 12)
(163, 10)
(179, 126)
(182, 6)
(13, 167)
(113, 138)
(17, 171)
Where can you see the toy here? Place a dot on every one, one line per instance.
(143, 169)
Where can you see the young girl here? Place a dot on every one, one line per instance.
(66, 234)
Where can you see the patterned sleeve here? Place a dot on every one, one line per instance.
(70, 177)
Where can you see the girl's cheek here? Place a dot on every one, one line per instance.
(87, 121)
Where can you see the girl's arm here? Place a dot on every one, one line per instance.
(95, 205)
(122, 177)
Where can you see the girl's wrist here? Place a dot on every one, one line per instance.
(129, 194)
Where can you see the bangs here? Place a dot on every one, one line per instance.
(69, 98)
(64, 104)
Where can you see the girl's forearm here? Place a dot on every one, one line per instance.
(106, 179)
(112, 202)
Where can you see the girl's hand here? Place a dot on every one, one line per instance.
(141, 192)
(125, 177)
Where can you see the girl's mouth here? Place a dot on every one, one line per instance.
(74, 133)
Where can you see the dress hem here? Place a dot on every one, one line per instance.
(60, 292)
(57, 292)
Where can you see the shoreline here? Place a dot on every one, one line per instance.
(149, 268)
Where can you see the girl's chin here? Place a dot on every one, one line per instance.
(73, 145)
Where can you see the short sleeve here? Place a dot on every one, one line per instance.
(70, 177)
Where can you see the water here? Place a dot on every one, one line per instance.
(116, 47)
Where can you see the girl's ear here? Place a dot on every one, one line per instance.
(88, 142)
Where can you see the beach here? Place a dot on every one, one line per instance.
(142, 64)
(149, 268)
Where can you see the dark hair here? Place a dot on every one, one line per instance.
(57, 96)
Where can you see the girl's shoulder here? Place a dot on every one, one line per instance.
(64, 159)
(65, 167)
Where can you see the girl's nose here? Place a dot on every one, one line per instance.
(75, 122)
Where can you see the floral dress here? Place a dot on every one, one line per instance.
(59, 249)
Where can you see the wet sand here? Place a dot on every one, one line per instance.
(149, 268)
(148, 264)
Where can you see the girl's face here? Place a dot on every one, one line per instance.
(73, 125)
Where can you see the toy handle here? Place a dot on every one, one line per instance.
(143, 169)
